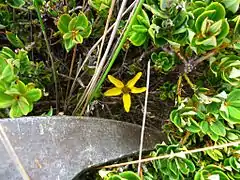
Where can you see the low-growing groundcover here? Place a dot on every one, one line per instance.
(51, 58)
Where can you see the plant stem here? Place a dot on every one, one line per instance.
(185, 138)
(144, 117)
(120, 45)
(179, 89)
(70, 74)
(189, 81)
(49, 52)
(179, 154)
(203, 58)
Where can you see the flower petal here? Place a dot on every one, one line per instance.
(113, 92)
(136, 90)
(127, 102)
(115, 81)
(134, 80)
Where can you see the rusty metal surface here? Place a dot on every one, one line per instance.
(56, 148)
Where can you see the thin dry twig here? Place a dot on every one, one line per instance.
(144, 118)
(105, 31)
(12, 154)
(70, 74)
(179, 154)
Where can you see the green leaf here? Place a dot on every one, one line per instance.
(138, 39)
(156, 11)
(218, 128)
(204, 126)
(23, 105)
(5, 100)
(163, 4)
(182, 166)
(237, 46)
(173, 166)
(232, 136)
(143, 19)
(235, 104)
(232, 5)
(212, 135)
(215, 154)
(38, 3)
(33, 95)
(63, 23)
(194, 127)
(15, 3)
(191, 34)
(67, 35)
(204, 26)
(215, 29)
(12, 92)
(219, 11)
(175, 45)
(190, 165)
(234, 113)
(21, 87)
(15, 111)
(7, 53)
(211, 41)
(235, 73)
(221, 174)
(224, 29)
(236, 20)
(234, 163)
(199, 176)
(129, 175)
(50, 112)
(79, 39)
(201, 18)
(154, 57)
(139, 28)
(14, 40)
(234, 95)
(78, 23)
(69, 43)
(86, 32)
(115, 177)
(7, 74)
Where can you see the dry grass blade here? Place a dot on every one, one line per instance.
(144, 117)
(179, 154)
(70, 74)
(12, 154)
(105, 32)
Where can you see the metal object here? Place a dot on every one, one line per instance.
(59, 147)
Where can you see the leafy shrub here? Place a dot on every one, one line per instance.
(14, 93)
(74, 29)
(100, 5)
(139, 30)
(163, 61)
(211, 26)
(167, 91)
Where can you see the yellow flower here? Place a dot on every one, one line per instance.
(125, 89)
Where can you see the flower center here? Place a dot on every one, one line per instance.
(126, 90)
(74, 34)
